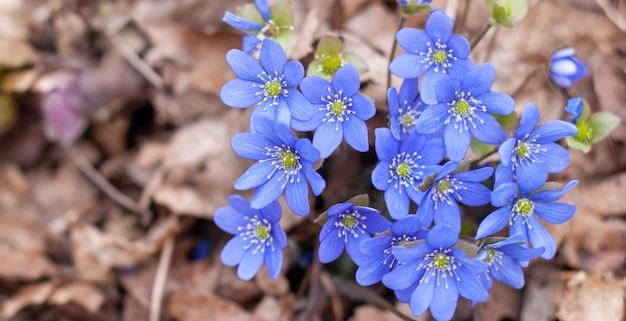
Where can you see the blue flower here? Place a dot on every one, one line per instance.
(464, 107)
(378, 259)
(435, 52)
(439, 272)
(532, 152)
(575, 107)
(520, 205)
(284, 164)
(408, 2)
(402, 167)
(258, 237)
(565, 68)
(341, 111)
(440, 200)
(271, 83)
(346, 227)
(505, 260)
(260, 28)
(404, 108)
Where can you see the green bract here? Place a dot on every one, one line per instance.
(592, 127)
(329, 58)
(414, 8)
(506, 12)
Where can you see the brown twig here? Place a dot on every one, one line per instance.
(613, 14)
(100, 181)
(335, 301)
(526, 80)
(139, 64)
(156, 297)
(480, 35)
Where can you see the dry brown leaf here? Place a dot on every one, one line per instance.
(85, 295)
(544, 286)
(587, 299)
(603, 198)
(187, 305)
(375, 25)
(29, 295)
(15, 260)
(504, 303)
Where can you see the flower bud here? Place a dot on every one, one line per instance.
(565, 69)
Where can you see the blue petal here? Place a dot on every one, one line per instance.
(429, 90)
(284, 134)
(412, 143)
(339, 208)
(426, 210)
(356, 134)
(381, 176)
(444, 301)
(327, 138)
(256, 175)
(330, 249)
(376, 223)
(328, 229)
(504, 194)
(479, 79)
(347, 79)
(241, 205)
(403, 276)
(273, 261)
(243, 65)
(240, 23)
(540, 237)
(460, 68)
(528, 120)
(494, 222)
(432, 119)
(352, 248)
(410, 254)
(249, 43)
(488, 131)
(272, 57)
(460, 46)
(439, 26)
(442, 236)
(233, 251)
(472, 265)
(433, 152)
(408, 65)
(413, 41)
(553, 195)
(555, 157)
(283, 112)
(386, 146)
(315, 180)
(408, 90)
(306, 150)
(397, 202)
(531, 177)
(311, 124)
(448, 214)
(268, 192)
(297, 196)
(250, 145)
(250, 264)
(264, 9)
(409, 225)
(393, 102)
(457, 142)
(363, 107)
(294, 72)
(554, 130)
(298, 106)
(266, 126)
(315, 88)
(370, 273)
(239, 93)
(422, 297)
(469, 287)
(476, 175)
(229, 220)
(510, 273)
(375, 246)
(414, 194)
(280, 238)
(554, 213)
(447, 88)
(497, 103)
(505, 151)
(474, 194)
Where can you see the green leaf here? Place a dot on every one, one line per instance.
(328, 45)
(507, 121)
(355, 60)
(412, 9)
(576, 144)
(480, 149)
(602, 123)
(249, 11)
(519, 8)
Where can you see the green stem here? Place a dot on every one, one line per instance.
(526, 80)
(476, 162)
(480, 35)
(393, 50)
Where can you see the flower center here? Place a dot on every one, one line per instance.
(443, 186)
(288, 159)
(408, 118)
(439, 265)
(492, 255)
(390, 259)
(440, 261)
(284, 160)
(463, 111)
(438, 55)
(257, 234)
(522, 150)
(463, 108)
(331, 63)
(351, 223)
(403, 170)
(338, 108)
(523, 207)
(270, 30)
(585, 132)
(272, 87)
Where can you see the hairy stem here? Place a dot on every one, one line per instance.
(393, 50)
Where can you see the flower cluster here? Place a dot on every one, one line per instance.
(424, 170)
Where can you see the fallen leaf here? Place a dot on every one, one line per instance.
(84, 294)
(33, 294)
(586, 298)
(187, 305)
